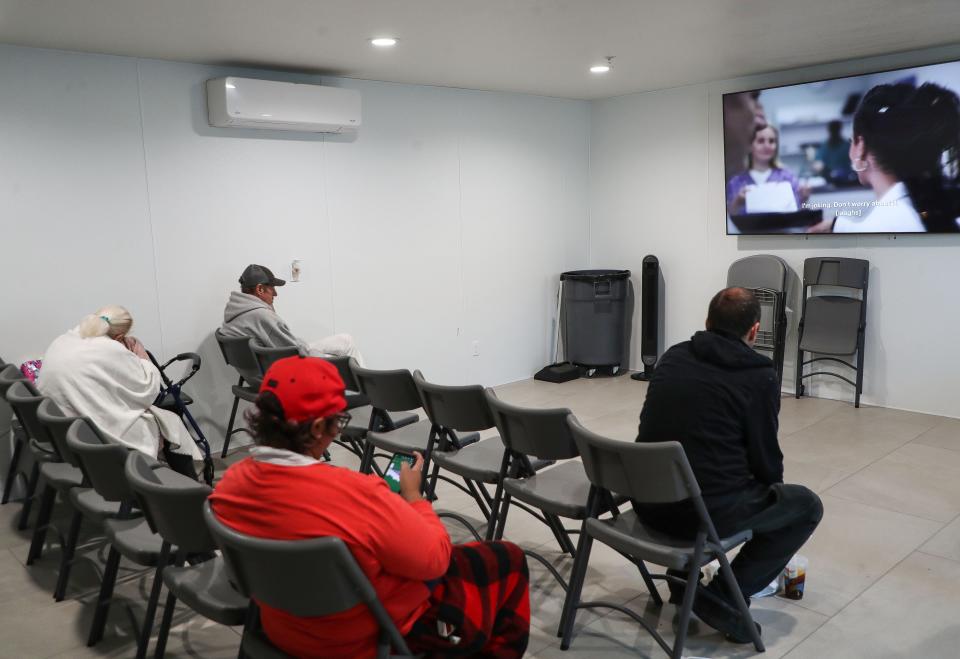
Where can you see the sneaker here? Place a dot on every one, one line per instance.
(723, 618)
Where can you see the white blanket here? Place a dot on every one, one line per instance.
(100, 379)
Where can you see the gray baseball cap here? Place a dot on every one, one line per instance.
(255, 274)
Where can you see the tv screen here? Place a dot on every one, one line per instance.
(873, 153)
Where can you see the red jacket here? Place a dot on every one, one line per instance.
(398, 545)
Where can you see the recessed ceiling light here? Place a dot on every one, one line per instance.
(603, 68)
(266, 115)
(383, 42)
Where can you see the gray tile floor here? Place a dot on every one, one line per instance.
(883, 581)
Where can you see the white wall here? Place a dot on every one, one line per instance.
(656, 168)
(445, 221)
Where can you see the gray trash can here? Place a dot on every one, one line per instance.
(596, 315)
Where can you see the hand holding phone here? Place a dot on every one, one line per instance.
(411, 477)
(404, 475)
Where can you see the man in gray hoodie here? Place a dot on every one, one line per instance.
(249, 312)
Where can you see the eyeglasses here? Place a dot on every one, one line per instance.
(343, 420)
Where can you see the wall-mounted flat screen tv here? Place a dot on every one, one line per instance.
(865, 154)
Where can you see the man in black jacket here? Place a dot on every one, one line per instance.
(720, 399)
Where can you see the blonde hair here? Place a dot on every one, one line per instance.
(112, 320)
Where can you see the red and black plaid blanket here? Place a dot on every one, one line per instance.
(485, 598)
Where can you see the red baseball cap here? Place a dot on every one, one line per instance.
(307, 387)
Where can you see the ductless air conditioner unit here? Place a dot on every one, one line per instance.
(248, 103)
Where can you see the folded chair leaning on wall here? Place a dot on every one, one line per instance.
(833, 325)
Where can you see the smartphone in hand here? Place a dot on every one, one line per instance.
(392, 474)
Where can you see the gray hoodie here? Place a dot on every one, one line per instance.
(248, 315)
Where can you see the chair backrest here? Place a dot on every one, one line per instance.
(836, 271)
(759, 271)
(57, 423)
(25, 403)
(313, 577)
(461, 408)
(392, 391)
(101, 461)
(646, 472)
(237, 353)
(172, 503)
(345, 366)
(539, 433)
(266, 356)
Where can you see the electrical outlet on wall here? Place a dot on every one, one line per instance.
(476, 348)
(296, 269)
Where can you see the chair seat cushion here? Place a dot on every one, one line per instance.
(206, 589)
(830, 325)
(134, 540)
(561, 490)
(407, 439)
(61, 475)
(629, 535)
(92, 505)
(477, 462)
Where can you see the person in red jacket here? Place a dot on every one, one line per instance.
(447, 600)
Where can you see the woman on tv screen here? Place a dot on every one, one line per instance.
(763, 168)
(904, 138)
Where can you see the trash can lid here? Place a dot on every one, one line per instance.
(594, 275)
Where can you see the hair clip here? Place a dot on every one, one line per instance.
(104, 318)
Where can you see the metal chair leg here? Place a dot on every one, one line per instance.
(40, 527)
(12, 470)
(576, 588)
(143, 642)
(24, 520)
(103, 599)
(66, 557)
(233, 416)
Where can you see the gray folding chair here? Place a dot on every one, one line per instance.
(649, 474)
(831, 324)
(58, 477)
(237, 353)
(84, 500)
(172, 504)
(129, 536)
(393, 428)
(459, 413)
(8, 375)
(767, 276)
(25, 399)
(306, 578)
(353, 436)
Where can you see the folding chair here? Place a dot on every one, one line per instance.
(649, 474)
(172, 504)
(305, 578)
(830, 324)
(237, 353)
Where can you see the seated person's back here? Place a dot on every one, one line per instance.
(98, 370)
(720, 399)
(249, 311)
(283, 491)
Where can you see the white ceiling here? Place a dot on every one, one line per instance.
(534, 46)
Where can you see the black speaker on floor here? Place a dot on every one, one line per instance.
(651, 316)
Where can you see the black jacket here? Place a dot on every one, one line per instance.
(720, 399)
